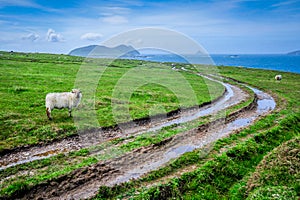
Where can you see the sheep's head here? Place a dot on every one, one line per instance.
(77, 92)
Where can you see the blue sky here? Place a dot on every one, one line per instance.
(233, 26)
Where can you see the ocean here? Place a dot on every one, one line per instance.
(280, 62)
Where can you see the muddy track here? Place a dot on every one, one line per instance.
(23, 154)
(84, 183)
(112, 131)
(231, 96)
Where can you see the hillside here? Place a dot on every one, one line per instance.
(97, 51)
(294, 53)
(256, 161)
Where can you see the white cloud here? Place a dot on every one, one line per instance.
(91, 36)
(26, 4)
(22, 3)
(284, 3)
(117, 10)
(115, 19)
(31, 36)
(52, 36)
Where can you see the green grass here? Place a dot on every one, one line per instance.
(151, 98)
(278, 173)
(287, 89)
(27, 78)
(23, 87)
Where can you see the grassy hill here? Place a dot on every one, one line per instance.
(102, 51)
(259, 162)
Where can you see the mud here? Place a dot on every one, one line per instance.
(84, 183)
(69, 182)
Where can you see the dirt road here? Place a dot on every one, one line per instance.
(84, 183)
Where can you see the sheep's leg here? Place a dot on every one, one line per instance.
(70, 112)
(48, 111)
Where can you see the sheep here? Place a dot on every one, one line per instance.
(62, 100)
(278, 77)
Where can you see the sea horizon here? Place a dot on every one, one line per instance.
(269, 61)
(277, 62)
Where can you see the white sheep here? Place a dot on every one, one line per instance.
(278, 77)
(62, 100)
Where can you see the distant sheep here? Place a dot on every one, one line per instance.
(278, 77)
(62, 100)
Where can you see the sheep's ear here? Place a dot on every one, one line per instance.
(73, 90)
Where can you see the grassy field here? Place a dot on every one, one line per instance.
(256, 163)
(27, 78)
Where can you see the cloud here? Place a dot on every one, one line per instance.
(25, 4)
(31, 36)
(117, 10)
(91, 36)
(115, 19)
(21, 3)
(284, 3)
(52, 36)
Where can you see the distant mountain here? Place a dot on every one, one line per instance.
(103, 51)
(294, 53)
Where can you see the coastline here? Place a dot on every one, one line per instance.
(277, 62)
